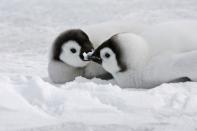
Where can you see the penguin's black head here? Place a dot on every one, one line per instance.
(69, 47)
(109, 55)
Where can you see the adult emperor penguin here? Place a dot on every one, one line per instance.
(67, 60)
(144, 62)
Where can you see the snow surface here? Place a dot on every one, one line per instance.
(29, 102)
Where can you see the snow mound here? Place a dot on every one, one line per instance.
(32, 103)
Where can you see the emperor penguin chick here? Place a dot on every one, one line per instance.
(67, 60)
(122, 54)
(135, 63)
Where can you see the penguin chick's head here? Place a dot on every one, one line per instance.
(121, 52)
(70, 46)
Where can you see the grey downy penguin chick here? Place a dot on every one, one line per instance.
(67, 60)
(134, 62)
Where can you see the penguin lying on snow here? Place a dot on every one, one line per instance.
(67, 55)
(148, 61)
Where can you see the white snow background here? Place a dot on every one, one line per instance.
(28, 102)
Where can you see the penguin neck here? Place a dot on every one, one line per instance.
(71, 68)
(74, 71)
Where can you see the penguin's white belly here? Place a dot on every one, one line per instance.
(172, 37)
(61, 73)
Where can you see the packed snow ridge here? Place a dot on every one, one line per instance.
(32, 103)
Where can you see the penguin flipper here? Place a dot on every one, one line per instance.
(181, 79)
(105, 76)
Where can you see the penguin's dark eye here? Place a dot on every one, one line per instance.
(73, 50)
(107, 55)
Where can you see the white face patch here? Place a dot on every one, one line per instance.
(70, 54)
(109, 61)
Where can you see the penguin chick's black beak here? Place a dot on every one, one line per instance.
(95, 59)
(84, 56)
(85, 53)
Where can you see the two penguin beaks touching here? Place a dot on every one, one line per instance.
(140, 61)
(68, 50)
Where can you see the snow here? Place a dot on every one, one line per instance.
(28, 101)
(34, 104)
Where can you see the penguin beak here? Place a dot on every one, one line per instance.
(85, 52)
(95, 59)
(85, 56)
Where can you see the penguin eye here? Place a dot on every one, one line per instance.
(73, 50)
(107, 55)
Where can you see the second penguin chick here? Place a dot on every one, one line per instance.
(135, 63)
